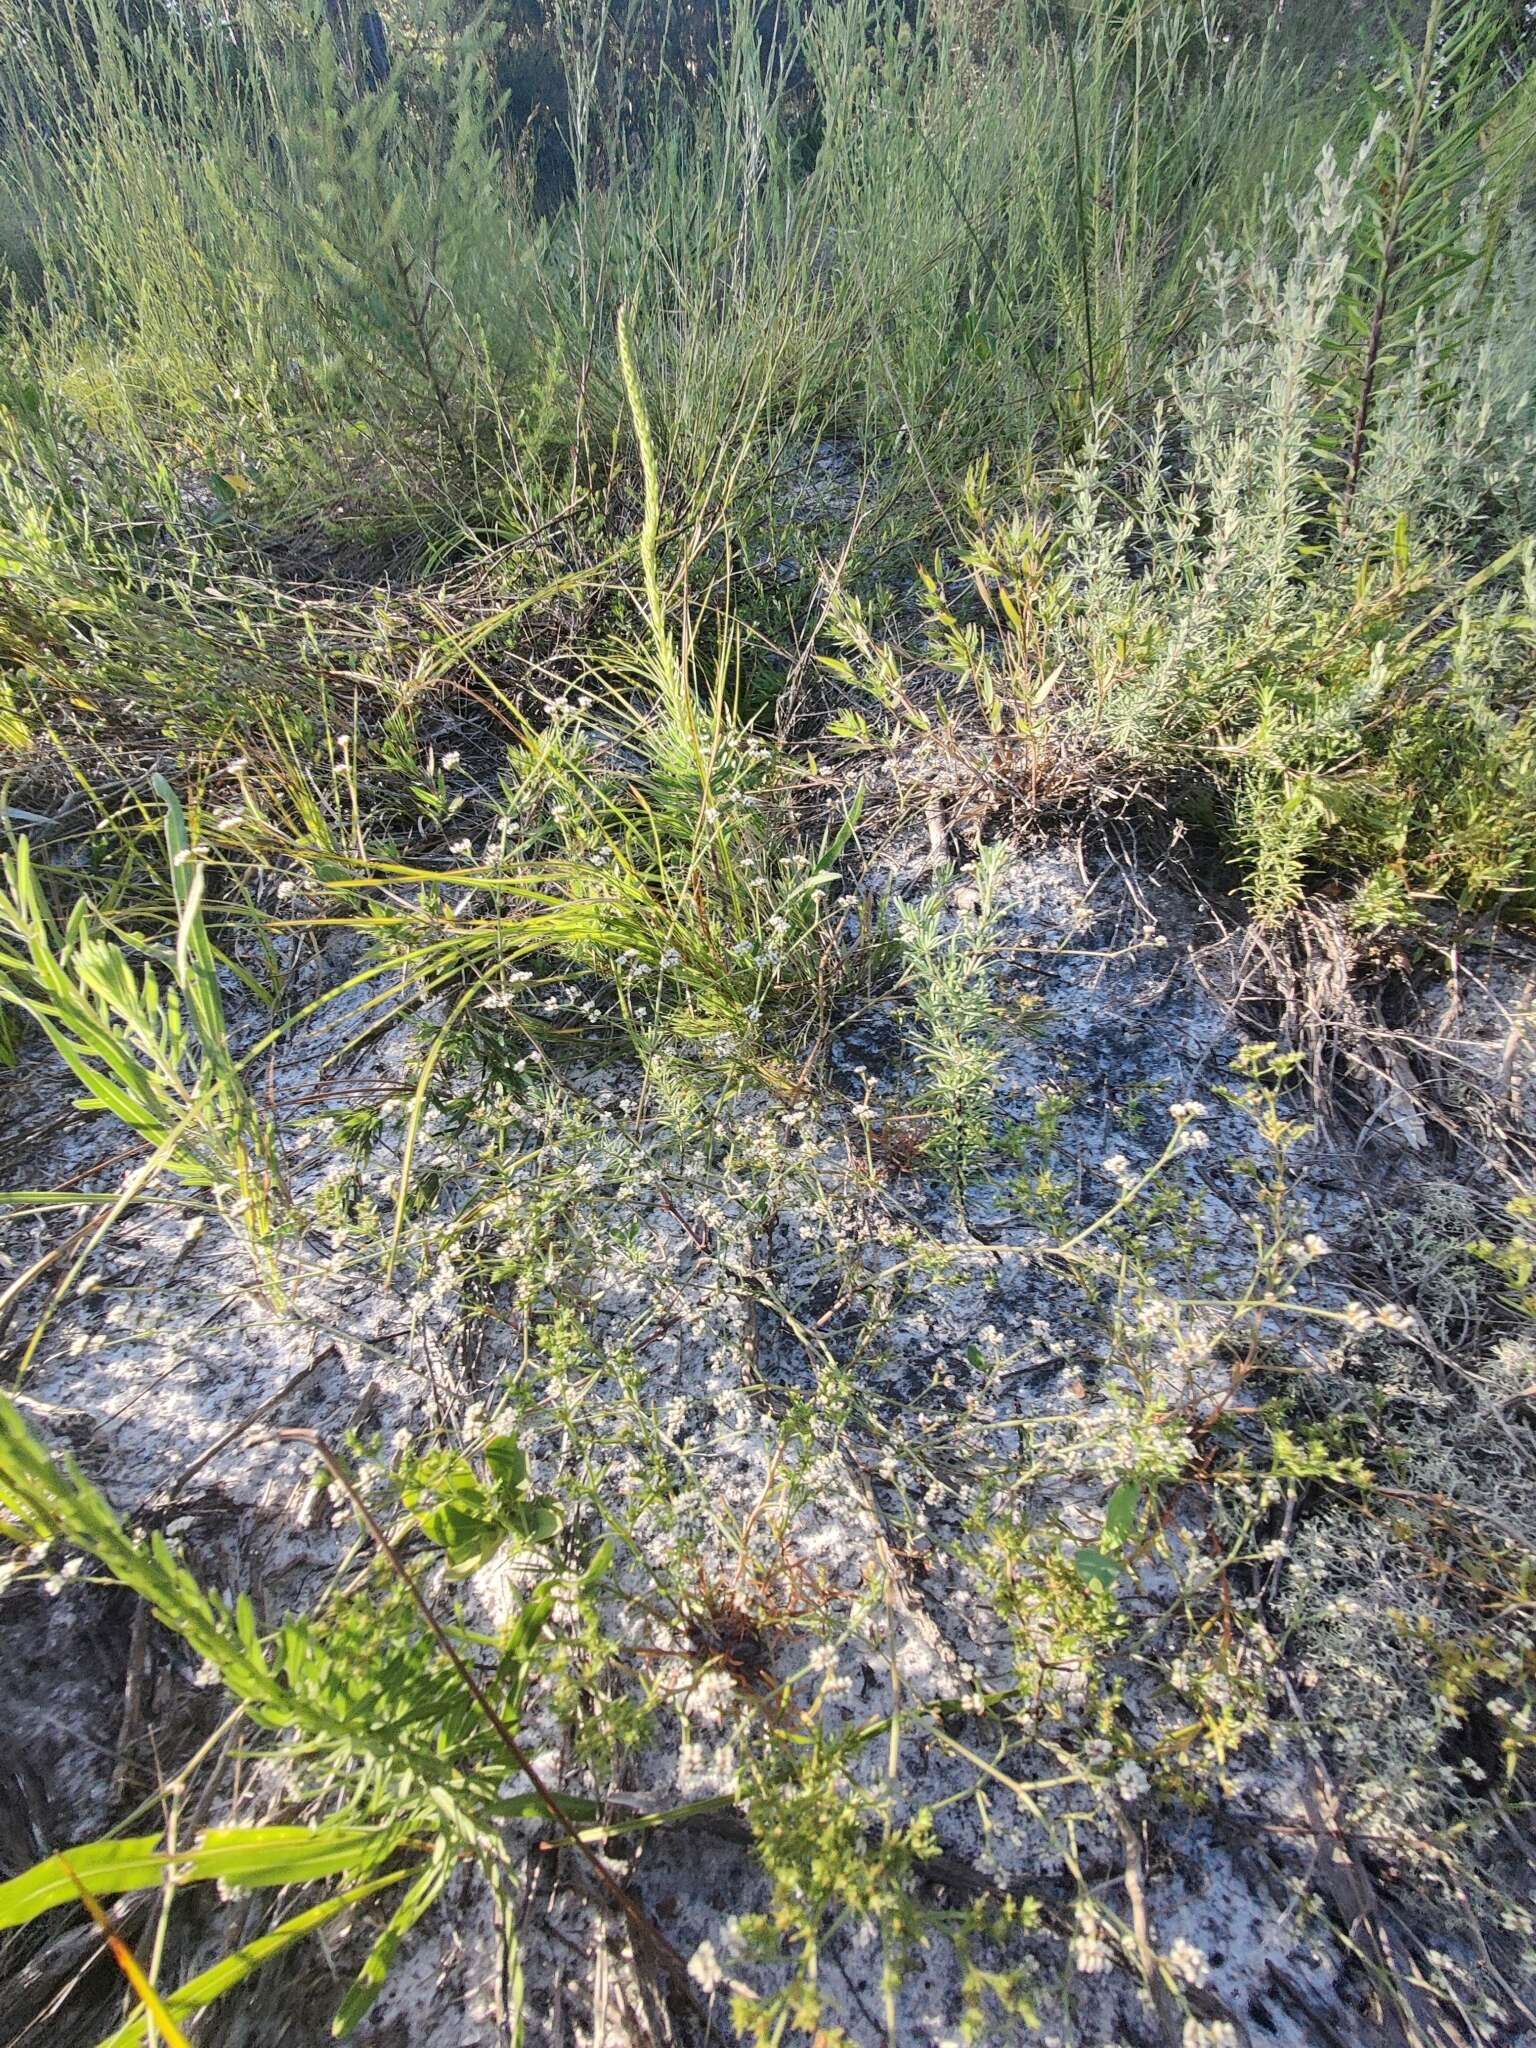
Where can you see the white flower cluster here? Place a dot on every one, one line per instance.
(704, 1968)
(1093, 1952)
(1189, 1964)
(1357, 1317)
(1132, 1782)
(1209, 2034)
(711, 1699)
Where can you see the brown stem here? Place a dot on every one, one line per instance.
(1163, 2004)
(422, 335)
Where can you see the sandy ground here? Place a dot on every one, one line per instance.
(167, 1373)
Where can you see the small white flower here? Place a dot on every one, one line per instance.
(1189, 1964)
(1117, 1166)
(1183, 1112)
(704, 1967)
(1358, 1318)
(1131, 1781)
(449, 763)
(1301, 1249)
(710, 1698)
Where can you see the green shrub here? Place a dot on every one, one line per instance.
(1336, 678)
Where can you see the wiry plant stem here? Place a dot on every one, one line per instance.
(1391, 250)
(1082, 217)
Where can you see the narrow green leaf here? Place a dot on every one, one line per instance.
(104, 1867)
(370, 1979)
(249, 1856)
(232, 1970)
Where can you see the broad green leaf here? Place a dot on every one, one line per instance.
(508, 1466)
(1121, 1512)
(1094, 1568)
(467, 1539)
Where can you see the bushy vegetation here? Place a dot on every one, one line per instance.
(566, 556)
